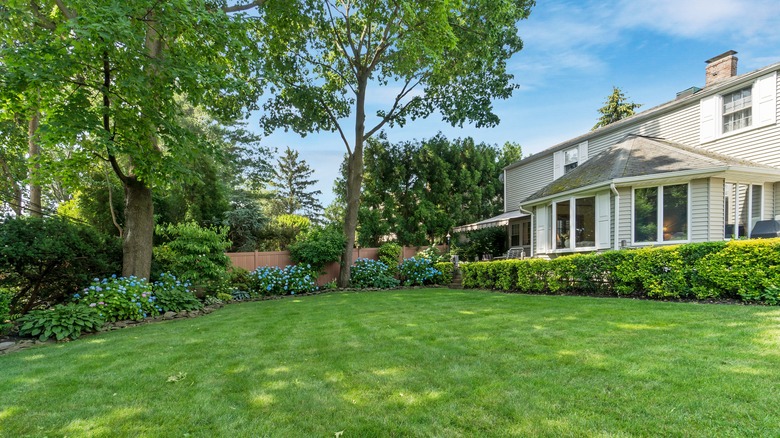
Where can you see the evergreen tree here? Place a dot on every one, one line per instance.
(291, 182)
(615, 108)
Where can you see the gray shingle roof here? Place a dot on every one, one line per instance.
(637, 155)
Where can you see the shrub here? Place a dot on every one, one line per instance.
(5, 311)
(447, 270)
(656, 272)
(172, 295)
(193, 253)
(120, 298)
(432, 253)
(417, 271)
(240, 295)
(389, 254)
(270, 280)
(742, 269)
(44, 261)
(318, 247)
(771, 295)
(371, 273)
(60, 321)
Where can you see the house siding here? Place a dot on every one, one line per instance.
(626, 204)
(700, 210)
(768, 192)
(761, 145)
(680, 126)
(777, 200)
(717, 216)
(524, 181)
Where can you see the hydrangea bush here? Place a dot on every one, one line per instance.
(173, 295)
(371, 273)
(120, 298)
(417, 271)
(290, 280)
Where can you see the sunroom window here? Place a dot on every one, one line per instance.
(742, 208)
(575, 223)
(665, 205)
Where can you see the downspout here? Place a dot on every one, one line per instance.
(617, 215)
(533, 228)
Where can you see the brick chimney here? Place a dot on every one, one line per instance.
(721, 67)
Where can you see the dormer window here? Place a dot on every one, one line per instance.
(566, 160)
(570, 159)
(737, 110)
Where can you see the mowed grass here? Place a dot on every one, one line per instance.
(431, 362)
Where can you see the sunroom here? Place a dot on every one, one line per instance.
(647, 191)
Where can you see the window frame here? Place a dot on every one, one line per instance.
(572, 225)
(749, 208)
(660, 215)
(723, 113)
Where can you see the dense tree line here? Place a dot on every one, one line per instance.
(416, 191)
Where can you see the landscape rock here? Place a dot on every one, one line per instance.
(6, 345)
(169, 315)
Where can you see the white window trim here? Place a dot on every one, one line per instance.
(559, 158)
(659, 217)
(749, 224)
(572, 226)
(714, 105)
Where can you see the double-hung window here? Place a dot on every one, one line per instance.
(737, 110)
(661, 214)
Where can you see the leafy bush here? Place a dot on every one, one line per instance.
(318, 247)
(447, 270)
(193, 253)
(654, 272)
(417, 271)
(120, 298)
(44, 261)
(60, 321)
(290, 280)
(5, 311)
(172, 295)
(389, 254)
(771, 295)
(371, 273)
(239, 295)
(432, 253)
(742, 269)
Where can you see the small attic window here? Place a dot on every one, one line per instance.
(570, 159)
(737, 110)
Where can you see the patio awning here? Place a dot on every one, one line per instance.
(501, 220)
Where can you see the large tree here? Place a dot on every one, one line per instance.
(445, 56)
(292, 181)
(110, 81)
(617, 107)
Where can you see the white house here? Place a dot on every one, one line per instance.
(703, 167)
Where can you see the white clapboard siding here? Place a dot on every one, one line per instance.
(777, 200)
(700, 210)
(769, 201)
(541, 230)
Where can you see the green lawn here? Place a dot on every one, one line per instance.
(432, 362)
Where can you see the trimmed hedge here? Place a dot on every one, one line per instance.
(747, 270)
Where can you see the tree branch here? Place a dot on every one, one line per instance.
(395, 111)
(64, 9)
(352, 61)
(46, 23)
(244, 7)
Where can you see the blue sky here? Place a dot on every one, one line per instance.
(574, 52)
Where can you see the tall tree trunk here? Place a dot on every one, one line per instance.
(34, 150)
(139, 229)
(354, 182)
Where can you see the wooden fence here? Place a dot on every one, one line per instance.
(253, 260)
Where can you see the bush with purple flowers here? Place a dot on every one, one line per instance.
(120, 298)
(290, 280)
(417, 271)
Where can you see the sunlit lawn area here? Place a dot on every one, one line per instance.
(431, 362)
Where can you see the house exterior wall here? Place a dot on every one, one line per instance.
(625, 216)
(524, 181)
(777, 199)
(761, 145)
(717, 216)
(699, 194)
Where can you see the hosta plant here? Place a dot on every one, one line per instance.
(61, 322)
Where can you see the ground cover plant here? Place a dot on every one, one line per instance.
(424, 362)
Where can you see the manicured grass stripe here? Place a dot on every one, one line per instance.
(432, 362)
